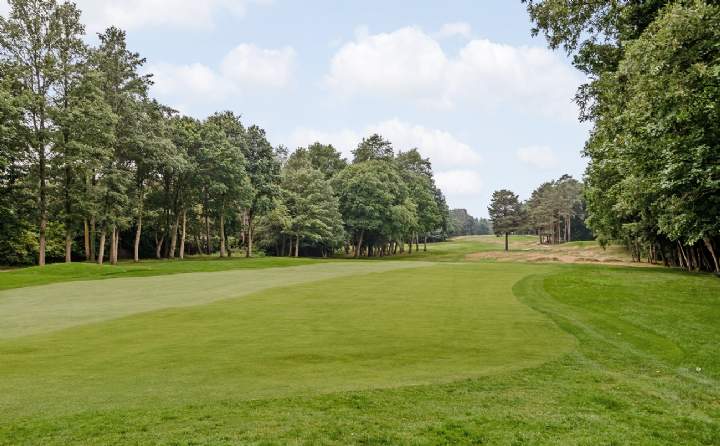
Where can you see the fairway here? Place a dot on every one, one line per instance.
(370, 330)
(25, 311)
(361, 352)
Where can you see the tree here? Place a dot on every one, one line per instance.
(263, 169)
(30, 42)
(506, 213)
(312, 207)
(225, 181)
(373, 148)
(326, 159)
(125, 90)
(368, 193)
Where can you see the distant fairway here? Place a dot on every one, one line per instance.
(438, 351)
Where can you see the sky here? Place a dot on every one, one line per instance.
(462, 80)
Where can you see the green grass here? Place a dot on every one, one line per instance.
(61, 272)
(450, 353)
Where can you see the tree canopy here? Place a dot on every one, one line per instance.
(653, 179)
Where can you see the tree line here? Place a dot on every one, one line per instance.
(93, 167)
(462, 223)
(555, 212)
(652, 96)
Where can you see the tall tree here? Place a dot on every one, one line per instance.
(30, 40)
(312, 207)
(125, 91)
(506, 213)
(263, 169)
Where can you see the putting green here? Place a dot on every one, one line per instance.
(46, 308)
(366, 330)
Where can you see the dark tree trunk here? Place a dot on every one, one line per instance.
(506, 242)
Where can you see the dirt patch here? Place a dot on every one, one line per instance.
(614, 255)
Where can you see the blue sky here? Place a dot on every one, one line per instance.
(462, 80)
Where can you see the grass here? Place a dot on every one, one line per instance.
(61, 272)
(450, 353)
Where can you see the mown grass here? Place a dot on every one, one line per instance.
(61, 272)
(479, 353)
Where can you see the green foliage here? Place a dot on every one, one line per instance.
(653, 179)
(554, 207)
(506, 212)
(83, 146)
(373, 148)
(462, 223)
(312, 207)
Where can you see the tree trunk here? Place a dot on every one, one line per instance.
(183, 233)
(297, 246)
(68, 246)
(506, 242)
(282, 248)
(709, 246)
(101, 248)
(117, 244)
(410, 246)
(138, 231)
(173, 237)
(42, 203)
(359, 243)
(158, 246)
(86, 239)
(425, 243)
(290, 247)
(113, 244)
(249, 241)
(136, 244)
(222, 233)
(208, 240)
(92, 239)
(417, 243)
(41, 251)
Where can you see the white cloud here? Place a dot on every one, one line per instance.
(403, 62)
(343, 140)
(245, 68)
(410, 64)
(194, 79)
(541, 157)
(444, 149)
(134, 14)
(248, 64)
(441, 147)
(460, 182)
(460, 29)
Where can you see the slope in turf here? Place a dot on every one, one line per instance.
(41, 309)
(410, 326)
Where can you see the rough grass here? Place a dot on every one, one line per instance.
(475, 353)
